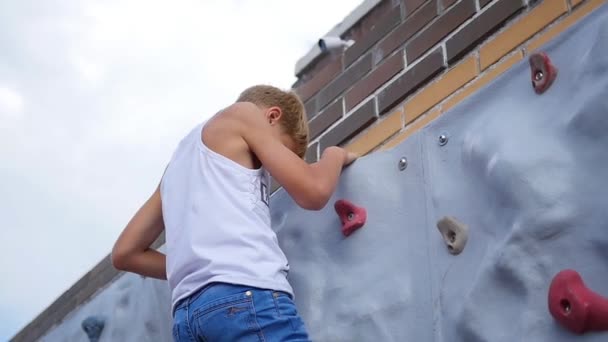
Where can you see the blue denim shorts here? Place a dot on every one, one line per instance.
(233, 313)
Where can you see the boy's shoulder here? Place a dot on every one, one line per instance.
(232, 119)
(224, 133)
(241, 111)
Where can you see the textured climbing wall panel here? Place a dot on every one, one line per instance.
(526, 173)
(132, 308)
(356, 288)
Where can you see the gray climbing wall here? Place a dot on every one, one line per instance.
(133, 308)
(527, 173)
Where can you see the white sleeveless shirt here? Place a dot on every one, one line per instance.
(217, 223)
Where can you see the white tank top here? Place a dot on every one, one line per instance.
(217, 223)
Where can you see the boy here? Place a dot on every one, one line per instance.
(227, 274)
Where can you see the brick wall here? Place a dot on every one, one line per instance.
(412, 61)
(415, 59)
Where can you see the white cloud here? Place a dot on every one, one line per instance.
(109, 88)
(90, 71)
(11, 102)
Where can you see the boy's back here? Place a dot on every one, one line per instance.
(227, 273)
(216, 214)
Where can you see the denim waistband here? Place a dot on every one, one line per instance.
(184, 301)
(223, 288)
(219, 288)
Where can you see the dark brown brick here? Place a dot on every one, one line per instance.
(405, 31)
(31, 332)
(59, 313)
(105, 263)
(374, 80)
(364, 26)
(411, 80)
(74, 289)
(480, 28)
(446, 23)
(45, 320)
(344, 81)
(327, 117)
(319, 80)
(97, 281)
(312, 154)
(483, 3)
(310, 107)
(410, 6)
(446, 3)
(379, 30)
(352, 124)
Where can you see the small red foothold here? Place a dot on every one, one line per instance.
(351, 216)
(543, 72)
(575, 306)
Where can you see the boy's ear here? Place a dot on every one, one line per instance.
(274, 115)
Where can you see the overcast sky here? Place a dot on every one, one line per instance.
(94, 97)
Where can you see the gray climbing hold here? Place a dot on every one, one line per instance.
(455, 234)
(93, 326)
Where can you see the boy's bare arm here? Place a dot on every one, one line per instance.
(310, 185)
(132, 251)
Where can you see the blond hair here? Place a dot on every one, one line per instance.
(293, 121)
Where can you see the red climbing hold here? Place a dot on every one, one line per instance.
(351, 216)
(543, 72)
(576, 307)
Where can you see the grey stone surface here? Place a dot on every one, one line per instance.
(133, 309)
(373, 285)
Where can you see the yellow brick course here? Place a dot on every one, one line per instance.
(437, 91)
(411, 129)
(467, 70)
(521, 30)
(377, 134)
(491, 74)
